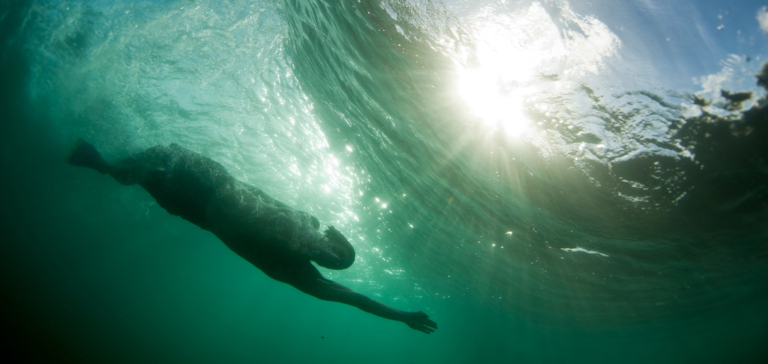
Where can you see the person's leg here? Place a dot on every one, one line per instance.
(128, 171)
(148, 165)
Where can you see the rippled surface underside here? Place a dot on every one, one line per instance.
(551, 181)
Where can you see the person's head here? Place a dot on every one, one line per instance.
(336, 251)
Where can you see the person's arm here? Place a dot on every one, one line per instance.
(327, 290)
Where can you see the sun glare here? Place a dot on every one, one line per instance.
(497, 105)
(511, 49)
(496, 86)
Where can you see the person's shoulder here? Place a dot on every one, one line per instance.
(178, 148)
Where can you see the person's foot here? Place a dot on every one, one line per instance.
(83, 154)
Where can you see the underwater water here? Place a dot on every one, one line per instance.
(551, 181)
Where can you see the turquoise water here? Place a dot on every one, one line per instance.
(552, 182)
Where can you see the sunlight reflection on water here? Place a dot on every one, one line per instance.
(512, 54)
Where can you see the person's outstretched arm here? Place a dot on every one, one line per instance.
(328, 290)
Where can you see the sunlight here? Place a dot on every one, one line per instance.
(509, 52)
(489, 100)
(512, 51)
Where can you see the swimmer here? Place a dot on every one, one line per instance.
(269, 234)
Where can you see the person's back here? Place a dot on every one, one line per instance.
(274, 237)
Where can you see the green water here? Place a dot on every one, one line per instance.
(627, 223)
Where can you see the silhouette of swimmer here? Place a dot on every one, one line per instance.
(269, 234)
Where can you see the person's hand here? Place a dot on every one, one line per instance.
(420, 321)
